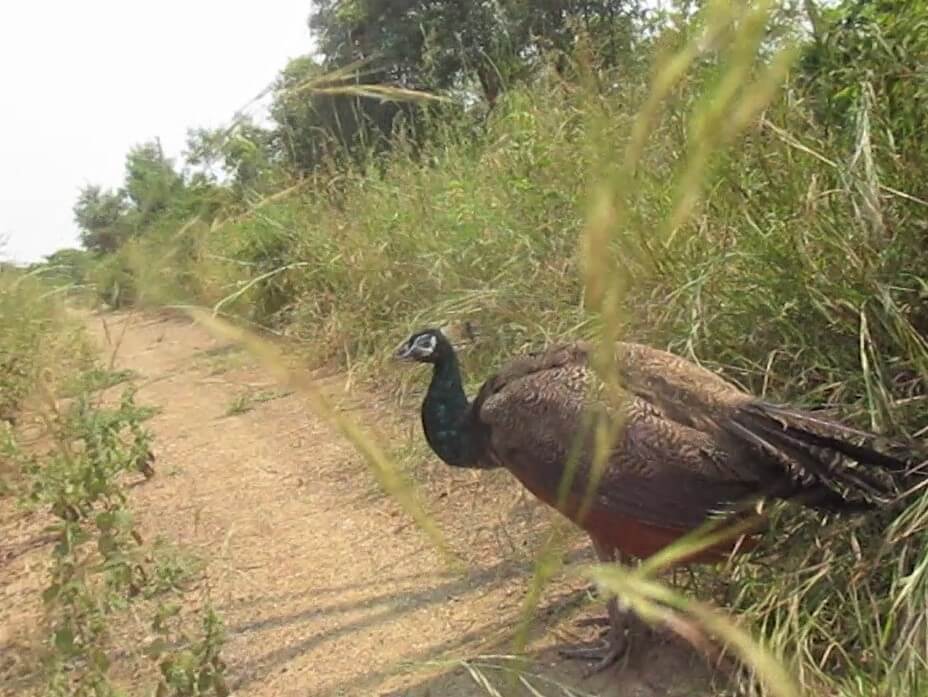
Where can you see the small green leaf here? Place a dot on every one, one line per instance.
(64, 640)
(156, 648)
(107, 545)
(100, 660)
(105, 521)
(204, 679)
(123, 519)
(50, 594)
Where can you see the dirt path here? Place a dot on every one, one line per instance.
(324, 585)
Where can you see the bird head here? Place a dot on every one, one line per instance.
(429, 345)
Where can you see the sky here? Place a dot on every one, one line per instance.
(82, 82)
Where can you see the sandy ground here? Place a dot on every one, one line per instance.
(325, 585)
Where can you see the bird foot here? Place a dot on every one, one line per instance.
(605, 654)
(630, 620)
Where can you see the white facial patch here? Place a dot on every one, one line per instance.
(426, 343)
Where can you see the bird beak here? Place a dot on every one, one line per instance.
(404, 353)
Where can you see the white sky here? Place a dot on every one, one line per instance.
(81, 82)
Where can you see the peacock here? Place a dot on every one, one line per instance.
(691, 446)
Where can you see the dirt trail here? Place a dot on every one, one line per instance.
(324, 585)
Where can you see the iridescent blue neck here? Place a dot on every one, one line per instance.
(446, 416)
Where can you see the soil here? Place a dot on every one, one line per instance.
(326, 587)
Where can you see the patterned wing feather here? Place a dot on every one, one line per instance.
(659, 471)
(692, 442)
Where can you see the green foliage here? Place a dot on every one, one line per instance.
(97, 562)
(193, 671)
(95, 379)
(114, 280)
(171, 568)
(244, 152)
(153, 194)
(470, 45)
(870, 57)
(151, 185)
(37, 342)
(97, 445)
(240, 404)
(67, 267)
(100, 216)
(314, 127)
(246, 401)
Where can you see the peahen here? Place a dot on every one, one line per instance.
(691, 446)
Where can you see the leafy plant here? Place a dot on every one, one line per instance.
(37, 342)
(244, 402)
(96, 379)
(170, 568)
(97, 563)
(197, 669)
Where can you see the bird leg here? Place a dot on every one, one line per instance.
(610, 649)
(616, 643)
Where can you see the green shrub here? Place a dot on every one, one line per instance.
(114, 280)
(37, 340)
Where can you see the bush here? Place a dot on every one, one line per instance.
(114, 280)
(37, 341)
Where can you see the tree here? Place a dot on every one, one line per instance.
(67, 266)
(244, 153)
(100, 216)
(151, 189)
(151, 182)
(313, 127)
(423, 45)
(447, 44)
(474, 48)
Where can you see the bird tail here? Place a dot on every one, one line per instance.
(831, 466)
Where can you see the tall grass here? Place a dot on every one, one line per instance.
(37, 339)
(702, 208)
(770, 278)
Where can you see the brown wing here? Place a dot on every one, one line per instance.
(685, 391)
(837, 465)
(681, 389)
(692, 441)
(660, 471)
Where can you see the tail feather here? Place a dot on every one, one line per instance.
(891, 455)
(811, 465)
(844, 464)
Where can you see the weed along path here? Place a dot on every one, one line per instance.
(324, 585)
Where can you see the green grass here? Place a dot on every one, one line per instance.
(96, 379)
(39, 343)
(173, 568)
(244, 402)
